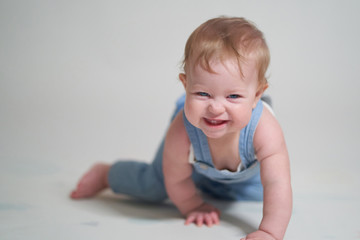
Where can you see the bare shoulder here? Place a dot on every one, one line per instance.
(177, 142)
(176, 166)
(269, 138)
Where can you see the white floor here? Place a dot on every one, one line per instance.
(34, 205)
(82, 82)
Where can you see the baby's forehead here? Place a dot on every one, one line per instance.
(233, 65)
(246, 73)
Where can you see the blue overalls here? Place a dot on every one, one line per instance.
(146, 181)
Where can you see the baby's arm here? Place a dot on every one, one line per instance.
(272, 154)
(177, 173)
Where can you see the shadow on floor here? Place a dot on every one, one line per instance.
(110, 204)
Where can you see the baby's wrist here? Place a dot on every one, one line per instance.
(190, 205)
(260, 234)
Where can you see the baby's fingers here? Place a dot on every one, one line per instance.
(211, 219)
(208, 220)
(197, 219)
(200, 220)
(190, 219)
(215, 217)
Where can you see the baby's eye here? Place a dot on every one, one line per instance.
(234, 96)
(203, 94)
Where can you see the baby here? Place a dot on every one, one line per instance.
(223, 140)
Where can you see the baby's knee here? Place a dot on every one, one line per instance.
(156, 197)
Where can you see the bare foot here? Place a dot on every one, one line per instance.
(92, 182)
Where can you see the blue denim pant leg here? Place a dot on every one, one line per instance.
(249, 190)
(139, 179)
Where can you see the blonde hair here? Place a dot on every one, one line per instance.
(224, 37)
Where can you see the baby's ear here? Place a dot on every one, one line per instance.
(182, 77)
(261, 89)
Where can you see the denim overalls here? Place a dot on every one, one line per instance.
(146, 181)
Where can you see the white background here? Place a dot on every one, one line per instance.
(87, 81)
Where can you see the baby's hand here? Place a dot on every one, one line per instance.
(206, 213)
(259, 235)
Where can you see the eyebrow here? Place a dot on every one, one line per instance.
(232, 90)
(238, 90)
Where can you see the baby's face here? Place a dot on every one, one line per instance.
(221, 103)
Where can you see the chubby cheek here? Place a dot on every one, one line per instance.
(193, 113)
(241, 117)
(241, 122)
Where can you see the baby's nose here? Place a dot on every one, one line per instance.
(216, 107)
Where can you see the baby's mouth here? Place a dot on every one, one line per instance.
(215, 122)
